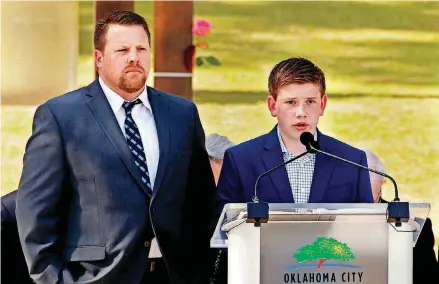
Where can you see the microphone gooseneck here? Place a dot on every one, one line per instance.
(307, 139)
(396, 211)
(255, 197)
(257, 211)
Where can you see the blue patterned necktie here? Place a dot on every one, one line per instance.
(135, 144)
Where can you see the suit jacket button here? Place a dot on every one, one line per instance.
(147, 244)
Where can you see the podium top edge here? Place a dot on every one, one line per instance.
(281, 206)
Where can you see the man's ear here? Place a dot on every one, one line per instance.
(271, 102)
(98, 57)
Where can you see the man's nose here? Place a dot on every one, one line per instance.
(133, 56)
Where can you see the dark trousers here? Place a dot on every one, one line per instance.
(156, 272)
(13, 265)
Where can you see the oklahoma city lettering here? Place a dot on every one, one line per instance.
(327, 277)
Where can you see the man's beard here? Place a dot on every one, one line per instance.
(131, 86)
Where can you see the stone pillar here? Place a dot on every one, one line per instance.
(172, 39)
(39, 50)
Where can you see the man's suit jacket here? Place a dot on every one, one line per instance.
(333, 182)
(83, 212)
(13, 264)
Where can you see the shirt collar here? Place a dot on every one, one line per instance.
(281, 142)
(116, 101)
(282, 145)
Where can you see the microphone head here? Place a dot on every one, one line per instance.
(307, 139)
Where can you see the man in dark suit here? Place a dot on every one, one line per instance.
(14, 269)
(424, 258)
(297, 99)
(113, 167)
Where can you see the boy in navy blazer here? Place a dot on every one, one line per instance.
(297, 98)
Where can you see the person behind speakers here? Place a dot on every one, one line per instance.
(424, 258)
(216, 146)
(297, 99)
(376, 181)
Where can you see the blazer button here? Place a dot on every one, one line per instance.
(147, 244)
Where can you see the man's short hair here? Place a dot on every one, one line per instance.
(125, 18)
(295, 70)
(216, 146)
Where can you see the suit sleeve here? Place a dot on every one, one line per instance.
(6, 216)
(424, 258)
(39, 196)
(199, 208)
(364, 194)
(229, 185)
(8, 207)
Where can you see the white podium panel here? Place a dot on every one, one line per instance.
(319, 243)
(324, 252)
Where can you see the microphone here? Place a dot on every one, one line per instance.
(307, 139)
(396, 211)
(257, 211)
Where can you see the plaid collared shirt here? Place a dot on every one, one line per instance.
(300, 172)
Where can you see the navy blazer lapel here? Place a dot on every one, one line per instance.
(272, 156)
(161, 118)
(101, 109)
(323, 170)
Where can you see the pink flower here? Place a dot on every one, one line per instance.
(201, 28)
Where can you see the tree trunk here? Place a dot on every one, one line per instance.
(321, 262)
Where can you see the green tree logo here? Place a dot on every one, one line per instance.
(323, 249)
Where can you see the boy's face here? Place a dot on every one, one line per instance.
(297, 108)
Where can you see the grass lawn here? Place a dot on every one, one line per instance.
(382, 75)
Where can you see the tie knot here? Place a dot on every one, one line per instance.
(128, 106)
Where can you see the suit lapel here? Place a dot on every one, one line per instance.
(99, 105)
(272, 156)
(323, 170)
(161, 117)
